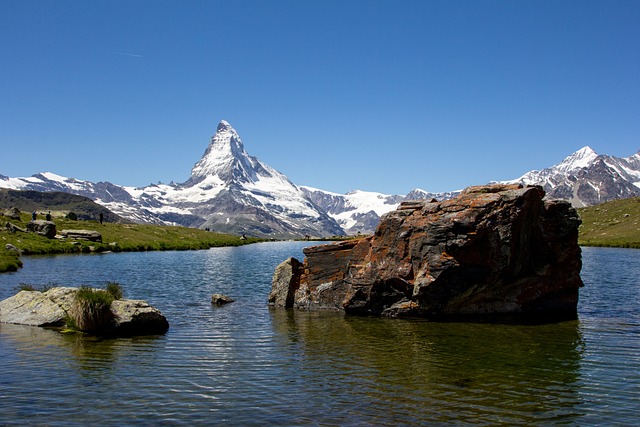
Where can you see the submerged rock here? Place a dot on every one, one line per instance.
(220, 299)
(52, 307)
(494, 250)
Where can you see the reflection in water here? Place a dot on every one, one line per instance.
(440, 372)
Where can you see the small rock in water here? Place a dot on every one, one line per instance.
(220, 299)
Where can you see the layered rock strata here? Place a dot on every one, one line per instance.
(492, 251)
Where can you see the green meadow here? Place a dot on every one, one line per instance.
(115, 237)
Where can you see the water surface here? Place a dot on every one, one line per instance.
(244, 364)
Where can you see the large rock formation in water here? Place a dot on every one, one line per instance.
(493, 250)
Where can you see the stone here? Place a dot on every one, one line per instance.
(31, 308)
(50, 309)
(12, 213)
(494, 251)
(285, 278)
(12, 248)
(13, 228)
(90, 235)
(43, 228)
(137, 317)
(220, 299)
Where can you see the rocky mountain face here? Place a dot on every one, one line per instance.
(492, 251)
(586, 178)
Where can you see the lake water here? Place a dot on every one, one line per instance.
(245, 364)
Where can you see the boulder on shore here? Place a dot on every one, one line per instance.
(43, 228)
(12, 213)
(492, 251)
(51, 308)
(90, 235)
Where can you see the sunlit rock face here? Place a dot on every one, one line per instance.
(493, 251)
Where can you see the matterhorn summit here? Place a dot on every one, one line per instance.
(226, 158)
(232, 192)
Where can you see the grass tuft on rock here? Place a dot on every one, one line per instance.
(91, 310)
(115, 290)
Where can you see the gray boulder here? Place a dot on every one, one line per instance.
(12, 213)
(31, 308)
(43, 228)
(13, 228)
(90, 235)
(50, 309)
(137, 317)
(12, 248)
(283, 285)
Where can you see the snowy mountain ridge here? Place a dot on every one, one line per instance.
(586, 178)
(230, 191)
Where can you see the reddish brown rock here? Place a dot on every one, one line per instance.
(494, 250)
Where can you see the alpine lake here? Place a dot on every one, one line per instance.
(246, 364)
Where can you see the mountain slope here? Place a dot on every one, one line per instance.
(613, 223)
(31, 200)
(586, 178)
(228, 191)
(234, 192)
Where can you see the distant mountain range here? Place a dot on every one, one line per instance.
(230, 191)
(586, 178)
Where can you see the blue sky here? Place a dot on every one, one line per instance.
(374, 95)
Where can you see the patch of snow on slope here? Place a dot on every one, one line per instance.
(367, 201)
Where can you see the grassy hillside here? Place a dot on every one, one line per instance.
(115, 237)
(615, 223)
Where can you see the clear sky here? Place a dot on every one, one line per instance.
(374, 95)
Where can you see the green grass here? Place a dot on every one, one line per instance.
(9, 260)
(115, 237)
(615, 224)
(91, 310)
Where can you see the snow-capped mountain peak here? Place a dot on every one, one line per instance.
(226, 158)
(586, 178)
(578, 160)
